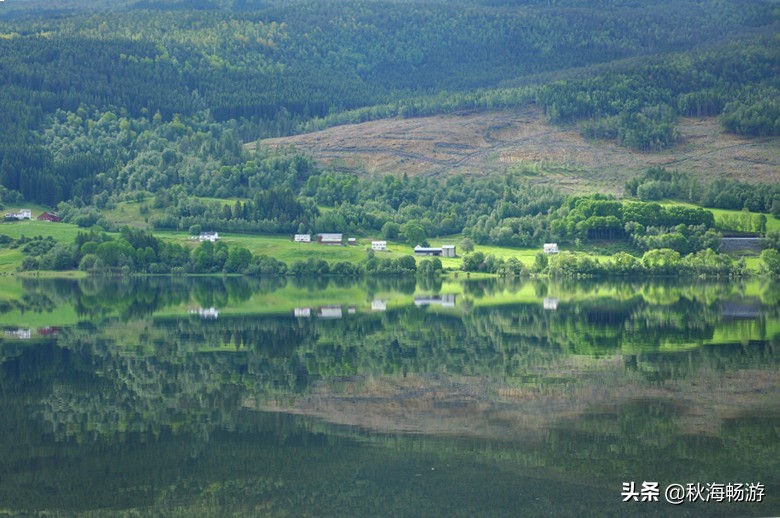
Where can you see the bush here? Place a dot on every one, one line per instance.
(771, 261)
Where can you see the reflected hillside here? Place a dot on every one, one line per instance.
(536, 350)
(537, 374)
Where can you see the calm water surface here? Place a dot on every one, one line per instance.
(215, 397)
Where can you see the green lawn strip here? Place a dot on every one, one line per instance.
(11, 288)
(63, 315)
(284, 249)
(61, 232)
(744, 331)
(753, 263)
(772, 223)
(10, 260)
(129, 213)
(221, 201)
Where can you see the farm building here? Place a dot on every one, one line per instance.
(302, 238)
(379, 246)
(329, 312)
(209, 236)
(50, 216)
(330, 239)
(427, 250)
(443, 251)
(211, 313)
(302, 312)
(551, 248)
(19, 334)
(351, 241)
(447, 300)
(22, 214)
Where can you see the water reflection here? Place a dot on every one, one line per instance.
(212, 395)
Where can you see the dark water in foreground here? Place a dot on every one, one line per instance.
(215, 397)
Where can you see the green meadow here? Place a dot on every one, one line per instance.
(62, 232)
(772, 223)
(285, 249)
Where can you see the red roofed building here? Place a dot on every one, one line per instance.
(50, 216)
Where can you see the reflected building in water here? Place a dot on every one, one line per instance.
(18, 334)
(446, 301)
(330, 312)
(211, 313)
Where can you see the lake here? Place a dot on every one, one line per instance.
(388, 397)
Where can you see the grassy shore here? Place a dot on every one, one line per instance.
(279, 247)
(284, 249)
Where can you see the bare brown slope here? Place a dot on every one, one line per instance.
(477, 407)
(481, 142)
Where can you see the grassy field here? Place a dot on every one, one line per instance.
(284, 249)
(62, 232)
(62, 315)
(138, 213)
(10, 260)
(129, 213)
(772, 223)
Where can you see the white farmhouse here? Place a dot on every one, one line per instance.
(379, 246)
(22, 214)
(551, 248)
(209, 236)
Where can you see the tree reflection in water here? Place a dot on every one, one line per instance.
(139, 404)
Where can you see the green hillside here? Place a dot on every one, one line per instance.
(138, 113)
(82, 86)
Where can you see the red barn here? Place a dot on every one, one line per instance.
(50, 216)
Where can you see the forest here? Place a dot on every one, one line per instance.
(153, 101)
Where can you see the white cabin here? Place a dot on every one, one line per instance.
(209, 236)
(379, 246)
(302, 312)
(22, 214)
(551, 248)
